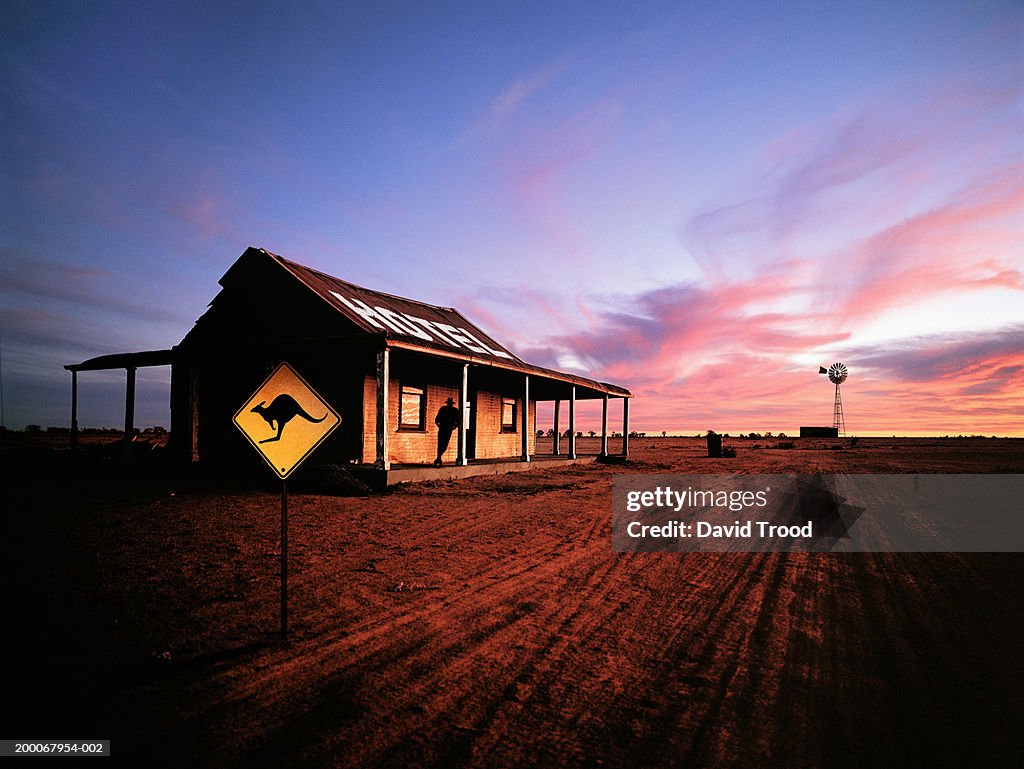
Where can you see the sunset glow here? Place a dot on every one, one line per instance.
(702, 205)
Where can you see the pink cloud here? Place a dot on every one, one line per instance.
(872, 167)
(506, 105)
(708, 350)
(965, 244)
(963, 383)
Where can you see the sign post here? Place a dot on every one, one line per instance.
(285, 420)
(284, 558)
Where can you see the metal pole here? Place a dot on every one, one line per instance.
(284, 558)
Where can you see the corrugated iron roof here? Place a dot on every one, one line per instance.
(415, 325)
(407, 320)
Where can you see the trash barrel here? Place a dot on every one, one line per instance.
(715, 445)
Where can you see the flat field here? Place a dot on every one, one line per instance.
(487, 623)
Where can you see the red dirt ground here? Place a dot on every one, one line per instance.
(487, 623)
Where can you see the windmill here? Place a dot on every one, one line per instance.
(837, 374)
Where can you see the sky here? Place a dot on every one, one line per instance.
(702, 202)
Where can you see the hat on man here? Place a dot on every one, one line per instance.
(450, 401)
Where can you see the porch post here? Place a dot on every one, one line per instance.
(383, 375)
(554, 445)
(526, 418)
(129, 409)
(604, 426)
(463, 400)
(572, 422)
(74, 409)
(625, 427)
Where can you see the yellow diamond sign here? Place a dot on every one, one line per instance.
(285, 420)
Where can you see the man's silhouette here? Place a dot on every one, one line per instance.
(447, 420)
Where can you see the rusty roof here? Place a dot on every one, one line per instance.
(406, 320)
(414, 325)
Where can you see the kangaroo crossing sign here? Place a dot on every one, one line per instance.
(285, 420)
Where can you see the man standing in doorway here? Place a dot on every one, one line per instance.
(447, 420)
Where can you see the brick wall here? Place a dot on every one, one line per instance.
(490, 441)
(421, 447)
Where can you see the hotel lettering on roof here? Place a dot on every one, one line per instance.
(385, 363)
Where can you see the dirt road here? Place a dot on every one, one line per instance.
(487, 623)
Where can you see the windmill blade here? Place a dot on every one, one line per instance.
(837, 373)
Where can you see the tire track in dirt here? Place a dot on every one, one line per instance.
(541, 646)
(571, 694)
(459, 703)
(564, 626)
(709, 661)
(644, 691)
(358, 647)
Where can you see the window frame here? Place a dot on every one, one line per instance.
(420, 426)
(512, 427)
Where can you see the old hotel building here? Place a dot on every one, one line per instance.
(386, 364)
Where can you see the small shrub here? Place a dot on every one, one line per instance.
(728, 451)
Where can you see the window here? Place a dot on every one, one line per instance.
(508, 415)
(412, 408)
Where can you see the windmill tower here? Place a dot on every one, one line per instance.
(837, 374)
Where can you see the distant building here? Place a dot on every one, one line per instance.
(819, 432)
(385, 363)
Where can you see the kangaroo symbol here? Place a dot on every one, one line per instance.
(282, 410)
